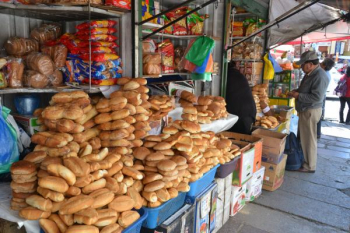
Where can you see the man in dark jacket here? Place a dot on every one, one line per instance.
(240, 101)
(309, 99)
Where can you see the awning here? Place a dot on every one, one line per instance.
(310, 19)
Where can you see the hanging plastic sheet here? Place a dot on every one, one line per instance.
(200, 49)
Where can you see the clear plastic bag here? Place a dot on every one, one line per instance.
(41, 63)
(18, 46)
(46, 32)
(35, 79)
(14, 72)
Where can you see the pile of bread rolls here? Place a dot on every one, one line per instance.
(202, 109)
(267, 122)
(257, 103)
(161, 106)
(260, 90)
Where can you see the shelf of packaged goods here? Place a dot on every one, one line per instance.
(164, 75)
(185, 37)
(151, 25)
(247, 60)
(45, 90)
(61, 12)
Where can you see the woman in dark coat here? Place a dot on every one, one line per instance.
(240, 101)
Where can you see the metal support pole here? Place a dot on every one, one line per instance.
(278, 20)
(165, 12)
(178, 19)
(133, 41)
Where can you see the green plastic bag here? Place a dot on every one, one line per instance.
(200, 49)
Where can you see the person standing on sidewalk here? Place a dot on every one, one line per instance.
(345, 99)
(327, 65)
(309, 98)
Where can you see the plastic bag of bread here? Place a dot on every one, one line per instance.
(18, 46)
(3, 80)
(152, 69)
(56, 79)
(59, 55)
(15, 68)
(46, 32)
(152, 58)
(35, 79)
(40, 62)
(148, 46)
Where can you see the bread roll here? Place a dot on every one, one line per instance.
(28, 187)
(166, 165)
(102, 198)
(39, 203)
(83, 181)
(77, 166)
(60, 224)
(35, 157)
(87, 216)
(138, 185)
(173, 192)
(101, 183)
(104, 213)
(73, 191)
(102, 222)
(31, 213)
(152, 177)
(23, 167)
(122, 203)
(154, 186)
(141, 153)
(132, 173)
(82, 228)
(127, 218)
(68, 219)
(76, 204)
(53, 183)
(112, 228)
(49, 226)
(62, 171)
(20, 179)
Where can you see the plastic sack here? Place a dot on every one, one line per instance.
(97, 37)
(18, 46)
(8, 143)
(275, 65)
(269, 72)
(34, 79)
(184, 63)
(152, 58)
(97, 31)
(96, 24)
(125, 4)
(151, 69)
(201, 69)
(14, 70)
(40, 62)
(148, 46)
(56, 79)
(200, 49)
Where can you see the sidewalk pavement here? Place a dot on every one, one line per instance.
(306, 202)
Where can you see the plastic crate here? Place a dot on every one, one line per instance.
(226, 169)
(198, 186)
(136, 226)
(133, 228)
(158, 215)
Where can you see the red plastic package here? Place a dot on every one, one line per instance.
(166, 48)
(99, 57)
(96, 24)
(180, 27)
(93, 50)
(98, 37)
(125, 4)
(82, 44)
(97, 31)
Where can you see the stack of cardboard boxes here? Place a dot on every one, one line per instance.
(273, 158)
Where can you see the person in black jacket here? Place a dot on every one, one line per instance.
(240, 101)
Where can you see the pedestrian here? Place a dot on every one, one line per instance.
(327, 65)
(345, 99)
(240, 101)
(309, 97)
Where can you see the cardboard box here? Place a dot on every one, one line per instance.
(244, 167)
(181, 222)
(237, 199)
(273, 145)
(228, 182)
(221, 187)
(255, 141)
(226, 214)
(274, 174)
(28, 123)
(219, 215)
(205, 209)
(254, 185)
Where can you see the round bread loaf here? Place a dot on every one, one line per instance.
(156, 156)
(35, 157)
(23, 167)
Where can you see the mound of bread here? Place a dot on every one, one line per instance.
(201, 109)
(259, 92)
(161, 105)
(267, 122)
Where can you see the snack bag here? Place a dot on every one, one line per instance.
(170, 29)
(125, 4)
(97, 31)
(97, 37)
(195, 23)
(93, 50)
(96, 24)
(237, 29)
(99, 57)
(180, 27)
(166, 49)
